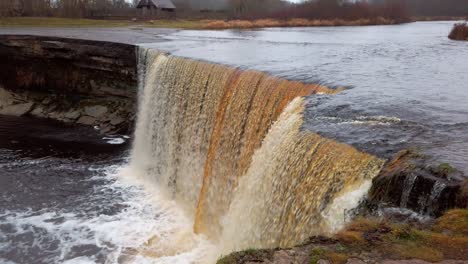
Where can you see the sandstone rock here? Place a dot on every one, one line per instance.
(323, 261)
(96, 111)
(86, 120)
(17, 109)
(73, 115)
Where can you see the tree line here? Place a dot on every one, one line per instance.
(245, 9)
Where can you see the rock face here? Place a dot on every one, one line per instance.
(409, 181)
(69, 80)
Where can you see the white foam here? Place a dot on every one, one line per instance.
(336, 215)
(114, 141)
(148, 230)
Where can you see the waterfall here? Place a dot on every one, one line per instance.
(227, 146)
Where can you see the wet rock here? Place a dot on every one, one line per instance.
(86, 120)
(73, 115)
(17, 109)
(115, 121)
(67, 79)
(411, 181)
(96, 111)
(38, 111)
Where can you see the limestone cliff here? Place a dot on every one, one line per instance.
(82, 81)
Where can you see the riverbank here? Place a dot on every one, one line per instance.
(376, 240)
(187, 24)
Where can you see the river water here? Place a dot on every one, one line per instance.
(407, 85)
(64, 197)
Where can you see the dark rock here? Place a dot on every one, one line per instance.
(86, 120)
(67, 78)
(72, 115)
(411, 181)
(96, 111)
(17, 109)
(68, 65)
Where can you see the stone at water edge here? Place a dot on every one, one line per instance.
(96, 111)
(17, 109)
(409, 181)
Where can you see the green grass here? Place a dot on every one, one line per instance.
(70, 22)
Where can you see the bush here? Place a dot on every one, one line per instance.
(459, 32)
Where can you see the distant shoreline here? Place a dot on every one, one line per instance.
(202, 24)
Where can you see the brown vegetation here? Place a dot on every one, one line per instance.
(459, 32)
(376, 239)
(295, 22)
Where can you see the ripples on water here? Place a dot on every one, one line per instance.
(63, 200)
(411, 73)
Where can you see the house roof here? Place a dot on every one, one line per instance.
(161, 4)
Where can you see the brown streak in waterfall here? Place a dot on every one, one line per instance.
(249, 132)
(200, 226)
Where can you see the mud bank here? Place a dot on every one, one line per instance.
(74, 81)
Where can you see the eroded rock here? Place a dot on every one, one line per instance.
(86, 120)
(96, 111)
(17, 109)
(69, 80)
(411, 181)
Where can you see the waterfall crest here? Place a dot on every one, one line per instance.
(227, 146)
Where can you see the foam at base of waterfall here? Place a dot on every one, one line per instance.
(148, 229)
(337, 215)
(227, 148)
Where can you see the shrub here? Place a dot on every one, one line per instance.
(459, 32)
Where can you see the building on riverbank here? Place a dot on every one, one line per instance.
(156, 8)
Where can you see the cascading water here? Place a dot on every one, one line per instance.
(227, 146)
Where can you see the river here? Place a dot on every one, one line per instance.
(64, 195)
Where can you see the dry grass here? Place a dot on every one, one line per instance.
(454, 221)
(459, 32)
(351, 237)
(184, 24)
(216, 24)
(296, 22)
(336, 258)
(263, 23)
(447, 239)
(241, 24)
(77, 23)
(415, 251)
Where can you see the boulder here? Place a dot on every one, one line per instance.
(17, 109)
(411, 180)
(86, 120)
(73, 115)
(96, 111)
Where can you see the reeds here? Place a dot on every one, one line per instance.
(295, 22)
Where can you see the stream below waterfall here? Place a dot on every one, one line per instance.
(68, 196)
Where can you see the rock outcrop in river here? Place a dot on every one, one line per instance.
(87, 82)
(410, 181)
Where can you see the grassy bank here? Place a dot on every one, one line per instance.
(459, 32)
(186, 24)
(69, 22)
(374, 240)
